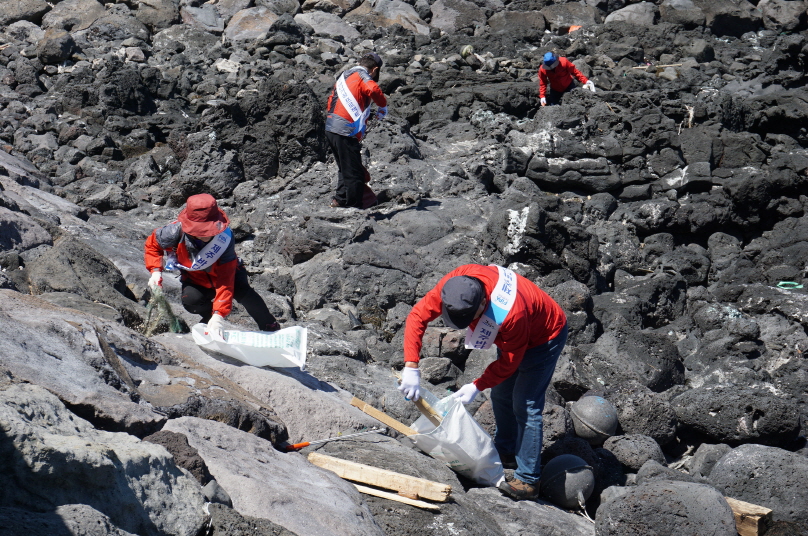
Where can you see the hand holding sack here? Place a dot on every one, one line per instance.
(156, 279)
(543, 101)
(216, 327)
(381, 112)
(467, 393)
(410, 382)
(590, 86)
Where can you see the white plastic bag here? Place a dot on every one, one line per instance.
(460, 442)
(283, 348)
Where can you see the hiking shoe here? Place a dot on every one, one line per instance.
(335, 203)
(508, 461)
(518, 490)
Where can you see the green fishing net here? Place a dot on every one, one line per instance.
(159, 311)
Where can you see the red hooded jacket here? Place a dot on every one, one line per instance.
(364, 89)
(559, 78)
(534, 319)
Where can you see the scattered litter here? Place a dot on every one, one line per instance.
(788, 285)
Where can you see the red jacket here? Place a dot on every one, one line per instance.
(559, 78)
(221, 276)
(534, 319)
(364, 89)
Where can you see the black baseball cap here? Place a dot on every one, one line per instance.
(461, 297)
(375, 57)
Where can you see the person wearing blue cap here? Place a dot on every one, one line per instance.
(558, 73)
(348, 110)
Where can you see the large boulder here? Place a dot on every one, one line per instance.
(681, 12)
(768, 476)
(73, 15)
(23, 10)
(386, 13)
(135, 483)
(452, 16)
(641, 14)
(158, 14)
(327, 24)
(783, 15)
(20, 232)
(561, 16)
(666, 508)
(283, 488)
(730, 17)
(735, 414)
(250, 24)
(72, 266)
(516, 23)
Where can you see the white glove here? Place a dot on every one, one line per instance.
(410, 383)
(381, 112)
(156, 279)
(466, 393)
(543, 101)
(590, 86)
(216, 327)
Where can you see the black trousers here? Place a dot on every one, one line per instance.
(199, 300)
(351, 176)
(554, 97)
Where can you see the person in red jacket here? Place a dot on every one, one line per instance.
(558, 73)
(200, 244)
(529, 329)
(348, 109)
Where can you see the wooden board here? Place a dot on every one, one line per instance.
(383, 417)
(410, 486)
(750, 519)
(428, 412)
(397, 498)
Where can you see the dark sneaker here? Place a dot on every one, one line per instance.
(518, 490)
(335, 203)
(508, 461)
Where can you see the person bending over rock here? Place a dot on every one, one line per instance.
(200, 244)
(530, 331)
(558, 73)
(348, 109)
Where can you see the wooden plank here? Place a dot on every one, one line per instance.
(410, 486)
(750, 519)
(382, 417)
(397, 498)
(428, 412)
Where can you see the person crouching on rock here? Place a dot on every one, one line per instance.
(348, 109)
(200, 244)
(558, 73)
(529, 329)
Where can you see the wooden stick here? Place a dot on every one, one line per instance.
(383, 417)
(750, 519)
(668, 65)
(397, 498)
(409, 486)
(428, 412)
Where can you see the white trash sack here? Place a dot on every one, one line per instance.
(283, 348)
(460, 442)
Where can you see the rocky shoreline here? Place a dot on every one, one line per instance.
(665, 213)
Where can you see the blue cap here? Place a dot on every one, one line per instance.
(549, 58)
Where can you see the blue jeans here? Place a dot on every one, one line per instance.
(518, 403)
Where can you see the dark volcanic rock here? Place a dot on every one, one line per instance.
(765, 475)
(666, 507)
(633, 450)
(736, 415)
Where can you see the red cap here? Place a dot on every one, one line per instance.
(202, 216)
